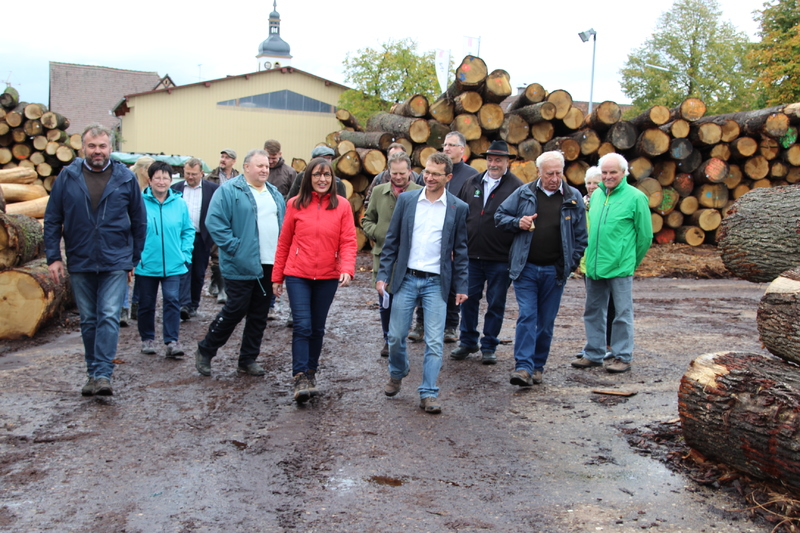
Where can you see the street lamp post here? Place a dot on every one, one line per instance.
(697, 83)
(584, 35)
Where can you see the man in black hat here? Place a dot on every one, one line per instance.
(488, 249)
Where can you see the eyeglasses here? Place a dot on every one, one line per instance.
(451, 145)
(321, 174)
(434, 174)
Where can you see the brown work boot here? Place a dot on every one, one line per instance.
(430, 405)
(312, 382)
(583, 362)
(393, 387)
(617, 366)
(521, 377)
(418, 333)
(301, 391)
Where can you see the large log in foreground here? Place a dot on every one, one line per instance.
(29, 298)
(778, 316)
(744, 409)
(760, 237)
(21, 240)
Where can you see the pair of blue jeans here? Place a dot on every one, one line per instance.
(598, 294)
(539, 297)
(170, 295)
(310, 300)
(494, 274)
(99, 299)
(427, 293)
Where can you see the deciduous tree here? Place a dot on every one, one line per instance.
(692, 53)
(386, 75)
(776, 59)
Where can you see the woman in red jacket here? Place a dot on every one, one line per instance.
(316, 254)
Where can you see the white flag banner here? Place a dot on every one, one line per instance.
(442, 68)
(472, 46)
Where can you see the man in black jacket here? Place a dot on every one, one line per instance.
(488, 249)
(197, 194)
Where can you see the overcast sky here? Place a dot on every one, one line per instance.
(534, 41)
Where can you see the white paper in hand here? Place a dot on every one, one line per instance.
(385, 300)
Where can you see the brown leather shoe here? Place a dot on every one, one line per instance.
(393, 387)
(617, 366)
(585, 363)
(521, 377)
(430, 405)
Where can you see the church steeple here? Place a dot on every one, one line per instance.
(274, 51)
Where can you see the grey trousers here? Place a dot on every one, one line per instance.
(598, 293)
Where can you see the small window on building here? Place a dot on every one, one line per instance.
(285, 100)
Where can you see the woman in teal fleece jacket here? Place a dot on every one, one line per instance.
(167, 251)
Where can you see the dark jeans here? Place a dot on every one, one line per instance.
(170, 294)
(539, 297)
(247, 299)
(192, 281)
(494, 274)
(452, 316)
(310, 300)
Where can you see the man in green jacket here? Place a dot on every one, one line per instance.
(620, 233)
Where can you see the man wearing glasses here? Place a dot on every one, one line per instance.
(424, 254)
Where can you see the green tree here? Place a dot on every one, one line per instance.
(389, 74)
(775, 58)
(692, 53)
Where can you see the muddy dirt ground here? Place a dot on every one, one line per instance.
(173, 451)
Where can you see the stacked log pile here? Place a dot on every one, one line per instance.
(744, 408)
(691, 166)
(34, 146)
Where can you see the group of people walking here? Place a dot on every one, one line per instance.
(440, 238)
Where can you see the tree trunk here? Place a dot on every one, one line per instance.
(771, 122)
(497, 87)
(360, 183)
(75, 141)
(2, 202)
(55, 121)
(654, 117)
(533, 94)
(734, 176)
(415, 107)
(690, 110)
(32, 128)
(514, 129)
(21, 151)
(673, 220)
(665, 236)
(743, 147)
(65, 154)
(730, 129)
(705, 219)
(21, 240)
(769, 148)
(603, 116)
(654, 192)
(664, 172)
(691, 235)
(536, 112)
(468, 126)
(572, 121)
(688, 205)
(17, 175)
(760, 237)
(713, 195)
(562, 100)
(372, 161)
(343, 147)
(742, 409)
(622, 135)
(569, 147)
(778, 316)
(588, 141)
(705, 134)
(470, 74)
(442, 110)
(10, 98)
(19, 192)
(374, 139)
(575, 172)
(680, 149)
(438, 133)
(467, 102)
(416, 129)
(756, 167)
(684, 184)
(542, 131)
(669, 197)
(652, 142)
(32, 208)
(420, 155)
(347, 165)
(490, 117)
(678, 129)
(792, 155)
(479, 145)
(657, 222)
(641, 167)
(299, 165)
(14, 119)
(529, 149)
(29, 298)
(721, 151)
(711, 171)
(691, 162)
